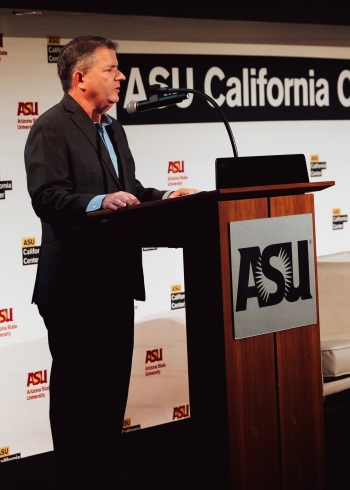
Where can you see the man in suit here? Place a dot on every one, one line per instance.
(78, 160)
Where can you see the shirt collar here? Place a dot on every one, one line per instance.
(105, 120)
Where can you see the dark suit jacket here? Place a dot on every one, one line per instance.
(67, 165)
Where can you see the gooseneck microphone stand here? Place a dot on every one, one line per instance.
(233, 171)
(157, 89)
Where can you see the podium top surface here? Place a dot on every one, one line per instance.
(230, 194)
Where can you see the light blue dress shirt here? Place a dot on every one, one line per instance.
(96, 203)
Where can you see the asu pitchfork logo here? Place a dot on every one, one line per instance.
(273, 276)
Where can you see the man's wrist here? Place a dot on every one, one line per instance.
(167, 194)
(96, 203)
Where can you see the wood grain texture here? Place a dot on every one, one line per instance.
(298, 357)
(250, 378)
(280, 189)
(222, 194)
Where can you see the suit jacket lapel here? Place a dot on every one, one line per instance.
(86, 125)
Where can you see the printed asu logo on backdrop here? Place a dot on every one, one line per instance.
(154, 357)
(27, 109)
(30, 252)
(316, 166)
(176, 173)
(273, 274)
(177, 297)
(6, 325)
(2, 51)
(5, 185)
(128, 427)
(338, 219)
(53, 48)
(34, 379)
(5, 455)
(6, 315)
(181, 412)
(4, 451)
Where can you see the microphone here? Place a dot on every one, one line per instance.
(154, 102)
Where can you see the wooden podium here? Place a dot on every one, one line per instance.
(255, 403)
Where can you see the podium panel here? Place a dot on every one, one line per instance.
(298, 356)
(250, 376)
(273, 381)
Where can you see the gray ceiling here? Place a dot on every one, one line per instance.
(297, 11)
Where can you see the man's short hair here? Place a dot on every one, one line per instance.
(78, 54)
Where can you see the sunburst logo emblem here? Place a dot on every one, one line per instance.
(264, 285)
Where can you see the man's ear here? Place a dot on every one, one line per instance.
(78, 80)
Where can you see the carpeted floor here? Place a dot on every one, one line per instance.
(337, 440)
(150, 464)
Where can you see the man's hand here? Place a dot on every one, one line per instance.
(182, 192)
(119, 200)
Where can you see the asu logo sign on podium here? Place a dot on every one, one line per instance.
(273, 275)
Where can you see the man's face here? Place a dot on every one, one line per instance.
(102, 82)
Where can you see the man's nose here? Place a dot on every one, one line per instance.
(120, 76)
